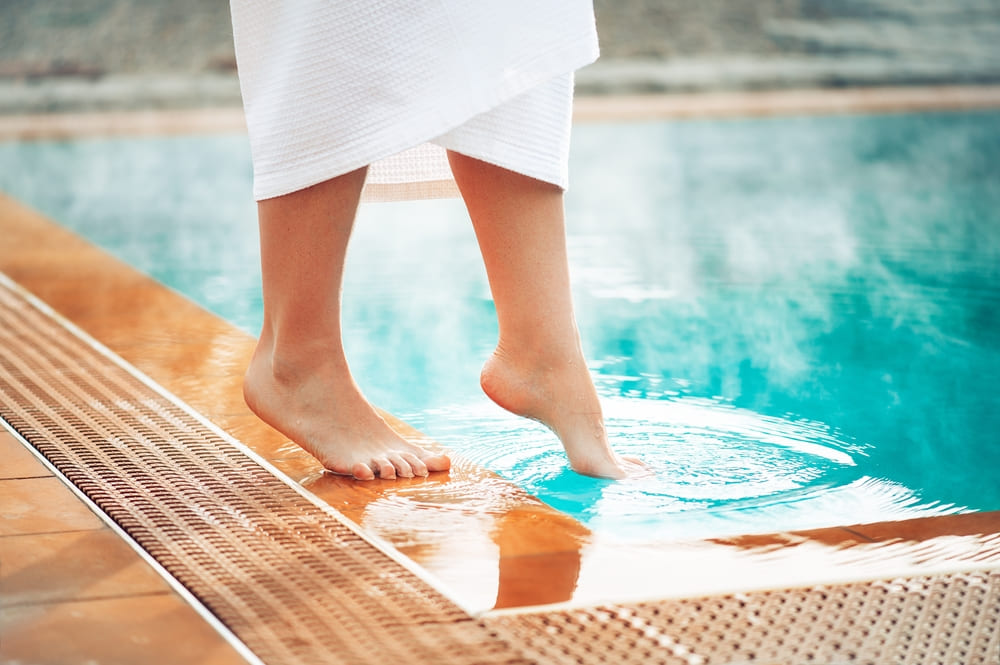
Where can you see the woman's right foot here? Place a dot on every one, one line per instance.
(320, 407)
(560, 394)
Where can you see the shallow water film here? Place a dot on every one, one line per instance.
(794, 321)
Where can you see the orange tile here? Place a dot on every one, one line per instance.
(42, 505)
(154, 630)
(18, 461)
(831, 537)
(75, 565)
(926, 528)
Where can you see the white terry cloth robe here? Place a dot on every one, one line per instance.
(330, 86)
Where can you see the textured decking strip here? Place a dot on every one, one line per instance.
(945, 620)
(297, 585)
(290, 580)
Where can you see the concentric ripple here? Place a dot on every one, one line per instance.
(716, 469)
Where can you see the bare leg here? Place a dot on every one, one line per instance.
(298, 380)
(538, 369)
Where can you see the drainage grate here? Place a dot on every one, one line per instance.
(945, 620)
(291, 581)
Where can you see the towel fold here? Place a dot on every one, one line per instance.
(329, 87)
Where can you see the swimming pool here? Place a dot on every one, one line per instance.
(793, 320)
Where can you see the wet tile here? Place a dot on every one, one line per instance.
(830, 537)
(213, 358)
(108, 307)
(76, 565)
(18, 461)
(42, 505)
(926, 528)
(153, 630)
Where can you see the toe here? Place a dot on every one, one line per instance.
(386, 470)
(437, 462)
(362, 471)
(636, 468)
(416, 464)
(402, 467)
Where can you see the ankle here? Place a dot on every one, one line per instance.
(540, 354)
(532, 383)
(289, 363)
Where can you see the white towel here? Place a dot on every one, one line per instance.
(331, 86)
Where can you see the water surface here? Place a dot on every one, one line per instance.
(793, 320)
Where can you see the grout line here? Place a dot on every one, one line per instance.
(858, 534)
(49, 533)
(5, 425)
(68, 601)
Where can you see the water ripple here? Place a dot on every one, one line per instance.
(717, 469)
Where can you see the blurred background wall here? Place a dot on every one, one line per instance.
(58, 55)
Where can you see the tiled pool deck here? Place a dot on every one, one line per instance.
(64, 572)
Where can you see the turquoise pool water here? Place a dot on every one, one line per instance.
(793, 320)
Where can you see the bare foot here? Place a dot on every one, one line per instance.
(319, 407)
(560, 394)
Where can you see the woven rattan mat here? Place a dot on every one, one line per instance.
(297, 585)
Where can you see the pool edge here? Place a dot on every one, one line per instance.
(177, 367)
